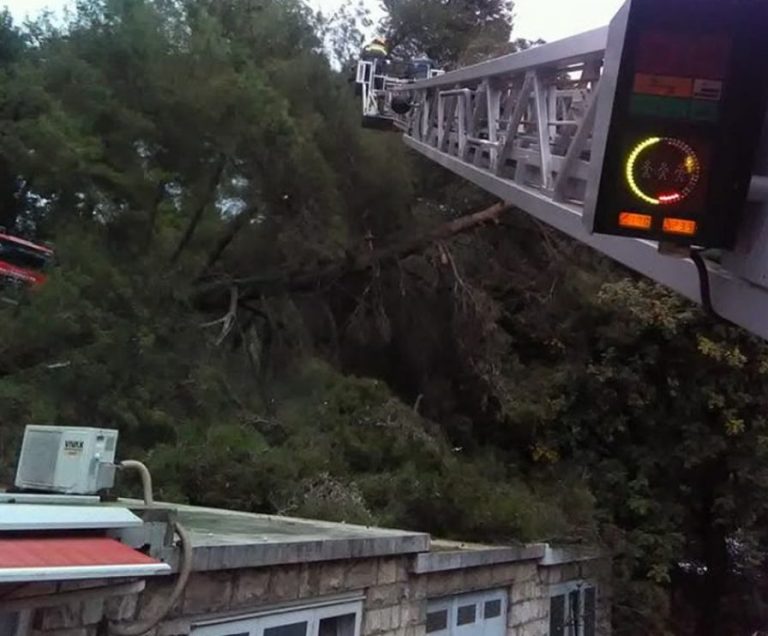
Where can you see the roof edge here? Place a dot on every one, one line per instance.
(235, 556)
(460, 559)
(559, 555)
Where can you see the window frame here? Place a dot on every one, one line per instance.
(478, 599)
(565, 590)
(439, 605)
(460, 609)
(485, 608)
(254, 623)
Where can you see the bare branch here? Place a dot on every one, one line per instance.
(228, 321)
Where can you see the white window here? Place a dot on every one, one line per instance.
(14, 623)
(572, 609)
(480, 614)
(339, 619)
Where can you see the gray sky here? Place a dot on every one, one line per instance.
(548, 19)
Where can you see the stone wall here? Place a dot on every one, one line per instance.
(395, 599)
(391, 600)
(595, 571)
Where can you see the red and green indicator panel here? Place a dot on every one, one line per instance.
(685, 120)
(676, 78)
(680, 77)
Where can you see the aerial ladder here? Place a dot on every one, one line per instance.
(641, 139)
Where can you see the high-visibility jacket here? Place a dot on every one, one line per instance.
(374, 49)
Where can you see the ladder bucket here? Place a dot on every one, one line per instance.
(378, 123)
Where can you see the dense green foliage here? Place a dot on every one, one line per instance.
(237, 290)
(447, 31)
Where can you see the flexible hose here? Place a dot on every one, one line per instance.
(185, 569)
(146, 478)
(704, 286)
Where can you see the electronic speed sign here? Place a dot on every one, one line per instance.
(682, 126)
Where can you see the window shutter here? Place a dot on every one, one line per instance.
(590, 617)
(574, 613)
(557, 616)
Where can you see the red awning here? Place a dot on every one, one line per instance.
(68, 558)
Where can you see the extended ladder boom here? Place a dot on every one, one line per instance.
(521, 127)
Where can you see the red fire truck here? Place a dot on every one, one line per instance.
(22, 263)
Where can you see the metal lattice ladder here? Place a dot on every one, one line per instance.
(520, 126)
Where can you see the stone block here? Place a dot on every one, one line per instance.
(414, 613)
(414, 590)
(361, 573)
(403, 569)
(121, 608)
(526, 591)
(442, 583)
(177, 627)
(309, 580)
(526, 572)
(34, 589)
(208, 592)
(527, 611)
(415, 630)
(285, 583)
(552, 575)
(385, 595)
(251, 587)
(74, 615)
(332, 577)
(387, 571)
(80, 631)
(68, 586)
(570, 571)
(504, 575)
(61, 617)
(92, 612)
(417, 586)
(534, 628)
(478, 578)
(377, 621)
(155, 596)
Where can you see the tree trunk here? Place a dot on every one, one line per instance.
(235, 226)
(302, 281)
(205, 201)
(715, 558)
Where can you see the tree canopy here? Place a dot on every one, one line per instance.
(447, 31)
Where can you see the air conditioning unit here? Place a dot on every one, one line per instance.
(73, 461)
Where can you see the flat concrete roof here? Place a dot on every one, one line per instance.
(226, 539)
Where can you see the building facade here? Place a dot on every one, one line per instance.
(255, 575)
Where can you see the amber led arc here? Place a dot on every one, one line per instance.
(630, 169)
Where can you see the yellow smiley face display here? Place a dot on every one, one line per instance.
(662, 170)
